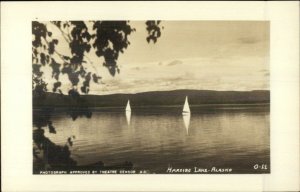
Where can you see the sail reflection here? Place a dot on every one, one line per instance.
(153, 138)
(128, 116)
(186, 122)
(128, 112)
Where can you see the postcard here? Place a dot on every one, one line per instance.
(105, 97)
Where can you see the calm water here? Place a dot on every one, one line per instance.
(154, 139)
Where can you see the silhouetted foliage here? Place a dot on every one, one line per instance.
(40, 87)
(56, 85)
(107, 38)
(50, 156)
(53, 156)
(154, 31)
(111, 38)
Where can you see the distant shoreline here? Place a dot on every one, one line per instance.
(196, 98)
(167, 106)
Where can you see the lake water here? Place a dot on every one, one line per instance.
(155, 139)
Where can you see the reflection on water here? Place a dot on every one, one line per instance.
(186, 121)
(153, 140)
(128, 116)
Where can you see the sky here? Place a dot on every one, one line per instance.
(201, 55)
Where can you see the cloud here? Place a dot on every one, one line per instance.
(137, 68)
(231, 73)
(176, 62)
(248, 40)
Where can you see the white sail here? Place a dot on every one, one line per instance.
(128, 108)
(186, 107)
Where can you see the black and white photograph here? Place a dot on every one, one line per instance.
(150, 97)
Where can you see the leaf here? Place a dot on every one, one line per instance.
(82, 72)
(88, 48)
(56, 85)
(47, 58)
(55, 68)
(96, 78)
(43, 58)
(73, 77)
(51, 48)
(66, 57)
(36, 70)
(153, 29)
(55, 41)
(86, 83)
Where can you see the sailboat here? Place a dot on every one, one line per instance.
(186, 114)
(128, 112)
(128, 108)
(186, 108)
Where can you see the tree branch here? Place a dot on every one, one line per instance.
(91, 63)
(69, 34)
(61, 56)
(68, 40)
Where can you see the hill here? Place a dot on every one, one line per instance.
(156, 98)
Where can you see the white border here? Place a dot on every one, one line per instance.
(16, 124)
